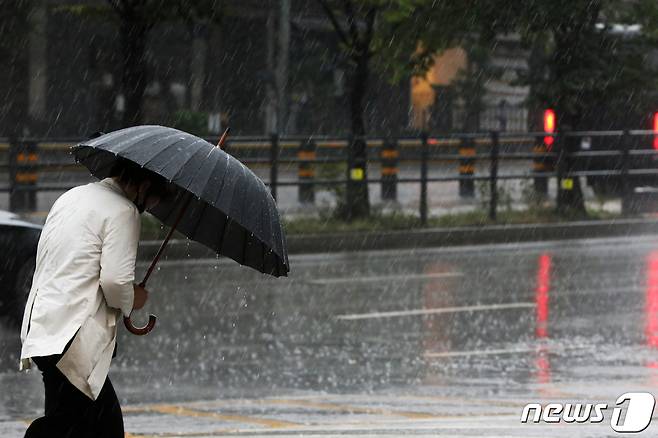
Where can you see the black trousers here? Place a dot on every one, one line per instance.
(71, 414)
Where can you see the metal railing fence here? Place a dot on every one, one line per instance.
(26, 158)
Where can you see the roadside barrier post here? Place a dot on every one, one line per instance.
(274, 163)
(389, 156)
(541, 164)
(306, 171)
(466, 168)
(493, 176)
(349, 158)
(23, 159)
(424, 156)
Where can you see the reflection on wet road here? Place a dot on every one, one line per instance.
(435, 340)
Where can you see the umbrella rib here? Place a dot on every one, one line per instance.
(244, 246)
(263, 251)
(204, 203)
(116, 134)
(129, 141)
(222, 234)
(266, 232)
(161, 152)
(196, 225)
(101, 152)
(154, 141)
(188, 160)
(199, 167)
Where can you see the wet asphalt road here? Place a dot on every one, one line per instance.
(450, 342)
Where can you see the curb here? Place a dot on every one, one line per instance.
(423, 238)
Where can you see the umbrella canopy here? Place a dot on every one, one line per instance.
(231, 211)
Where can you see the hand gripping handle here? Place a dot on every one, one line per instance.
(140, 331)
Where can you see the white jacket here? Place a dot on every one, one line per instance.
(83, 281)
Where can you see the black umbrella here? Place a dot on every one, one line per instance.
(219, 201)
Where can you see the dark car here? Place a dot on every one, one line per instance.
(18, 249)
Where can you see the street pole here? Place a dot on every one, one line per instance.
(493, 176)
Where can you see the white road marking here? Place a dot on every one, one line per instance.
(384, 278)
(434, 311)
(500, 351)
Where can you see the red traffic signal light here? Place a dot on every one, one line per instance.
(549, 127)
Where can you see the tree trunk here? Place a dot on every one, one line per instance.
(570, 199)
(358, 204)
(133, 40)
(357, 45)
(271, 101)
(282, 60)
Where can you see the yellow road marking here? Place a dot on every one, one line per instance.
(350, 409)
(179, 410)
(378, 411)
(336, 407)
(486, 402)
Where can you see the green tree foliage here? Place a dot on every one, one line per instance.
(401, 37)
(591, 73)
(579, 64)
(433, 26)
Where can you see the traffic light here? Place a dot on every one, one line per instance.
(549, 128)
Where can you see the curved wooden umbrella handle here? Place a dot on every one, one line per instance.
(140, 331)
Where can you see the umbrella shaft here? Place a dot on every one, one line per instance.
(166, 241)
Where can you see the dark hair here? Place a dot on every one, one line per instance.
(129, 172)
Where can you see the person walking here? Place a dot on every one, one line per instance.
(82, 284)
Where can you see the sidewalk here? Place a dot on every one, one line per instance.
(333, 415)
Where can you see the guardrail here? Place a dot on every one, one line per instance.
(556, 158)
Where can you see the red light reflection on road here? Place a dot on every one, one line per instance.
(541, 294)
(542, 289)
(651, 305)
